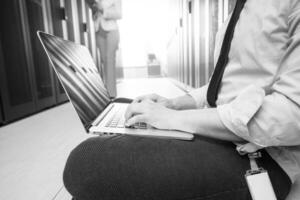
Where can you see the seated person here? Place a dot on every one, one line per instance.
(253, 104)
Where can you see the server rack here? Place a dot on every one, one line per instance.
(1, 114)
(16, 79)
(82, 20)
(27, 82)
(35, 19)
(199, 23)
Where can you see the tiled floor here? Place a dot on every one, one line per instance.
(33, 151)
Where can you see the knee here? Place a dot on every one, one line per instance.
(72, 177)
(78, 176)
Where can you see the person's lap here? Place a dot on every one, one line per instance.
(128, 167)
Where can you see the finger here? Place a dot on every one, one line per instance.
(136, 119)
(134, 109)
(148, 101)
(152, 97)
(128, 112)
(138, 99)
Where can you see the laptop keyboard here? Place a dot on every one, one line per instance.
(118, 121)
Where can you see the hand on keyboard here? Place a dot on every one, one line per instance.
(138, 125)
(154, 114)
(155, 98)
(118, 121)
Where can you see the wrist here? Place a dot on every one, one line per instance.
(171, 103)
(181, 122)
(177, 103)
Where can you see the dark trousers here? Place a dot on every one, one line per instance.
(128, 167)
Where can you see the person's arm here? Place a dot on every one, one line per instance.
(183, 103)
(275, 118)
(92, 5)
(194, 99)
(178, 103)
(205, 122)
(185, 113)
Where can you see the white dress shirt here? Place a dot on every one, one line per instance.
(259, 97)
(112, 11)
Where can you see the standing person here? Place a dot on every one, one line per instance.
(105, 14)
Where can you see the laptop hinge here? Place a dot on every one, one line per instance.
(102, 115)
(89, 125)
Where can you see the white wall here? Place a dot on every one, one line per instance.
(143, 30)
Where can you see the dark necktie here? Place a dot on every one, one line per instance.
(214, 85)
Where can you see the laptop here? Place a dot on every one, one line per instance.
(85, 89)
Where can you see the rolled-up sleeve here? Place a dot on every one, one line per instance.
(273, 119)
(199, 95)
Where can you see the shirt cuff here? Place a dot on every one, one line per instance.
(236, 114)
(199, 95)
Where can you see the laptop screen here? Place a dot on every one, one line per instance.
(78, 75)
